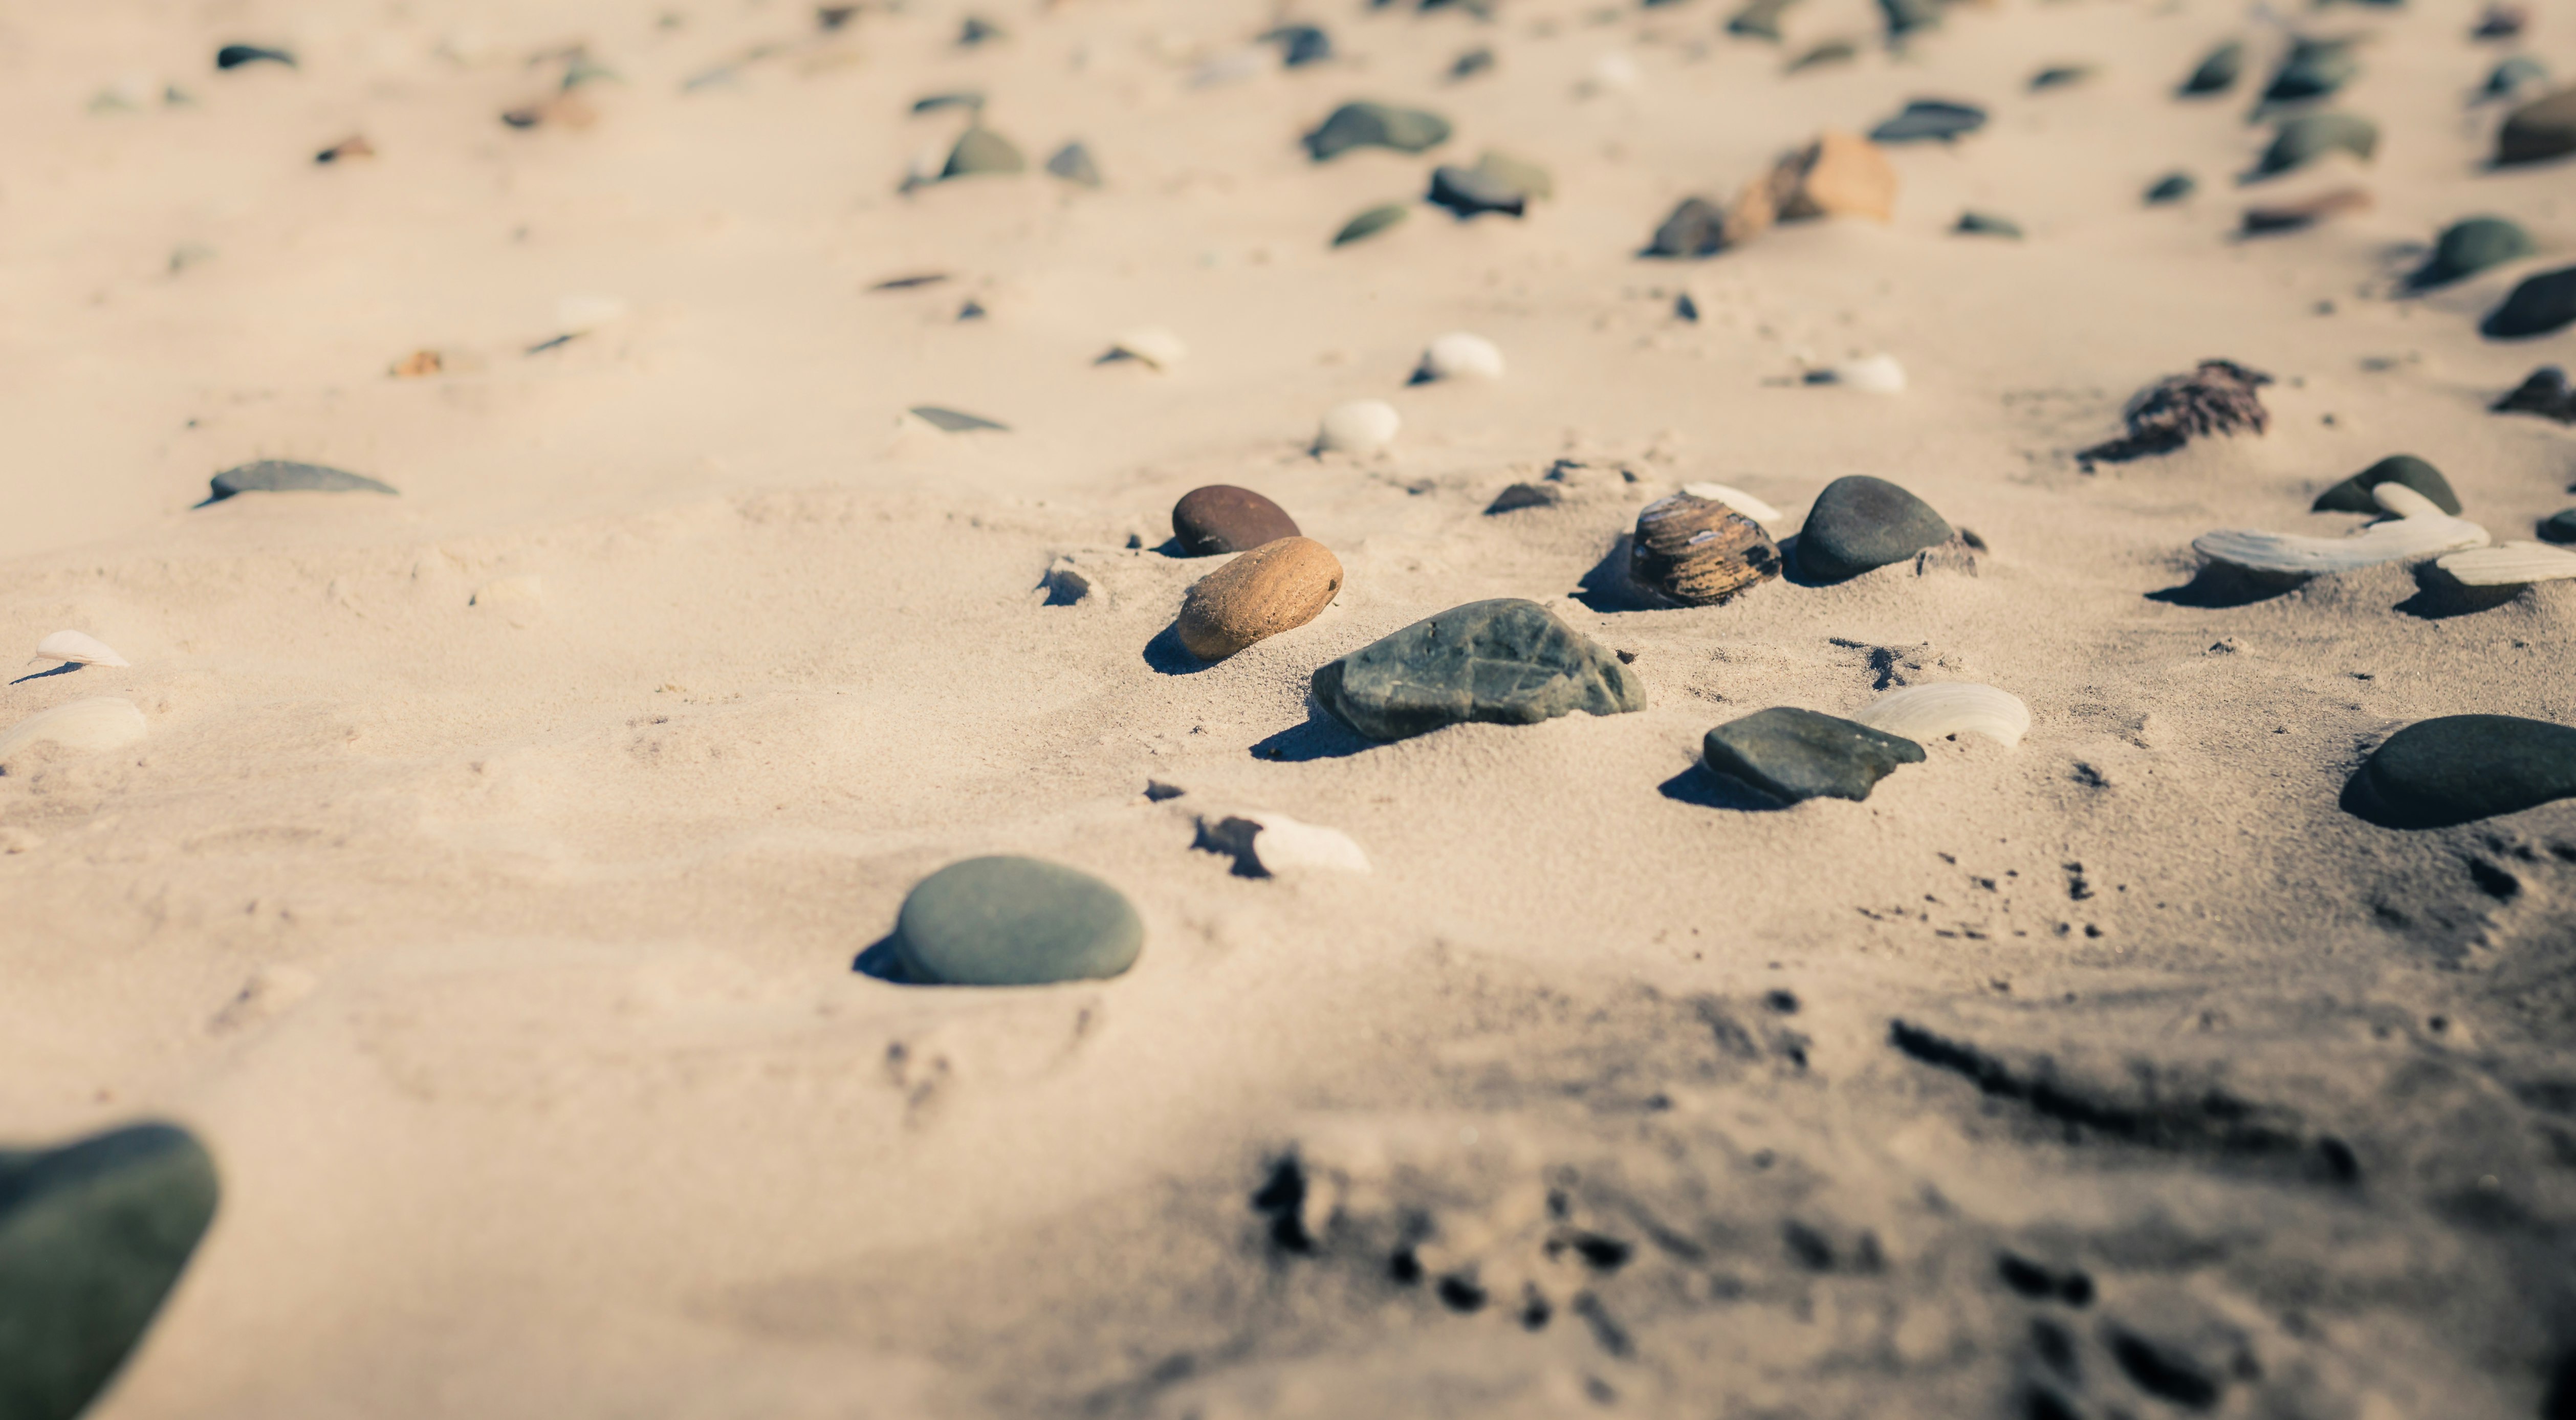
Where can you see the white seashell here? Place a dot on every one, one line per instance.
(85, 726)
(78, 649)
(2419, 530)
(1946, 708)
(1283, 845)
(1153, 345)
(1878, 374)
(1362, 426)
(1737, 499)
(2511, 564)
(1459, 355)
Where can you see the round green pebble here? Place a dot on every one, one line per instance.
(1008, 921)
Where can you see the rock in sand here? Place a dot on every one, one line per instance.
(982, 152)
(2172, 187)
(1010, 921)
(2540, 305)
(1374, 125)
(2559, 526)
(1506, 661)
(1794, 755)
(2302, 140)
(1370, 223)
(1221, 518)
(1073, 163)
(1928, 120)
(2353, 494)
(1987, 224)
(2461, 768)
(2542, 129)
(2468, 247)
(1860, 523)
(1278, 586)
(2219, 72)
(2545, 392)
(287, 476)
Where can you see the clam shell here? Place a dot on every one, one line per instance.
(2419, 530)
(1737, 499)
(1697, 551)
(85, 726)
(78, 648)
(1151, 345)
(1459, 355)
(1282, 845)
(1362, 426)
(1946, 708)
(2512, 564)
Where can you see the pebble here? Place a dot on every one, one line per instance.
(2313, 69)
(1987, 224)
(2059, 76)
(2539, 305)
(1506, 661)
(2461, 768)
(1362, 426)
(955, 421)
(1073, 163)
(1759, 20)
(971, 99)
(2545, 392)
(1838, 175)
(1694, 551)
(1150, 345)
(2542, 129)
(2559, 526)
(1010, 921)
(1904, 17)
(2308, 137)
(979, 152)
(1695, 228)
(1459, 356)
(1374, 125)
(1267, 845)
(353, 146)
(2172, 187)
(91, 726)
(1300, 45)
(1471, 64)
(285, 476)
(1526, 495)
(2218, 72)
(1278, 586)
(1877, 374)
(975, 30)
(1794, 755)
(1930, 119)
(2466, 248)
(234, 56)
(1222, 518)
(1832, 51)
(2353, 494)
(79, 648)
(2306, 212)
(2502, 22)
(1371, 222)
(1859, 523)
(93, 1235)
(1469, 193)
(2513, 74)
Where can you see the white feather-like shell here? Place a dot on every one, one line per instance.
(1284, 846)
(79, 648)
(2419, 530)
(86, 726)
(1878, 374)
(1152, 345)
(1459, 355)
(2510, 564)
(1946, 708)
(1362, 426)
(1737, 499)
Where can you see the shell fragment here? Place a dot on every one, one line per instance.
(2512, 564)
(2419, 530)
(1459, 356)
(77, 648)
(1737, 499)
(1947, 708)
(1152, 346)
(1362, 426)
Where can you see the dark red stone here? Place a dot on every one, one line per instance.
(1223, 518)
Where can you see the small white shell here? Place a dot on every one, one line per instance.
(1284, 845)
(1737, 499)
(1946, 708)
(1878, 374)
(78, 649)
(1457, 356)
(1362, 426)
(84, 726)
(2511, 564)
(2419, 530)
(1153, 345)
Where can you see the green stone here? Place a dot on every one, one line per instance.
(1506, 662)
(1015, 922)
(1073, 163)
(1759, 20)
(2466, 248)
(1795, 755)
(1370, 223)
(1517, 174)
(1859, 523)
(1372, 125)
(93, 1236)
(2219, 72)
(2461, 768)
(2559, 526)
(2353, 494)
(2302, 140)
(2540, 305)
(283, 476)
(981, 151)
(2542, 129)
(2314, 69)
(1988, 224)
(2172, 187)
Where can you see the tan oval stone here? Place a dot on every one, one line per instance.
(1276, 587)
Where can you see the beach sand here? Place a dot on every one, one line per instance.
(487, 889)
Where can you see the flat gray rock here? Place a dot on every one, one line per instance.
(2466, 248)
(1859, 523)
(92, 1236)
(1794, 755)
(283, 476)
(1007, 921)
(1929, 120)
(2541, 305)
(1507, 662)
(2462, 768)
(1371, 125)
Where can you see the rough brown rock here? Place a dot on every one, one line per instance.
(1276, 587)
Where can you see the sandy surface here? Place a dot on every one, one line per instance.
(487, 889)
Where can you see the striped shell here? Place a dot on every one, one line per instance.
(1947, 708)
(2512, 564)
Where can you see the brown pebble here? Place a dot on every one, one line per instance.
(419, 363)
(1699, 552)
(1277, 587)
(1224, 518)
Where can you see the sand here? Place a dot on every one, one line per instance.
(487, 889)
